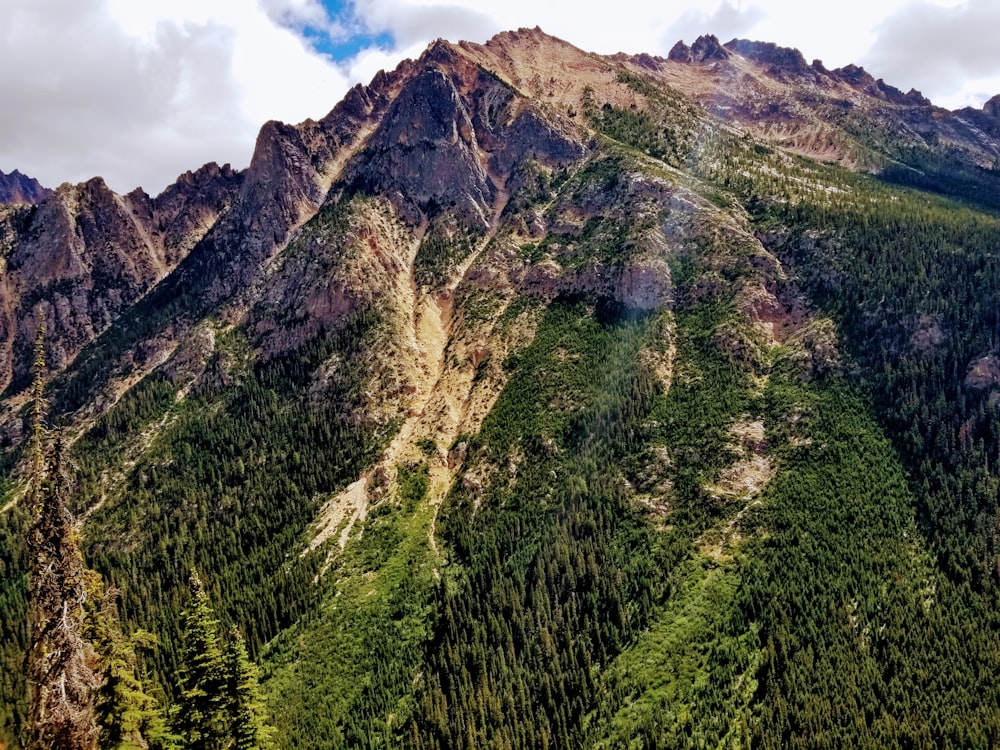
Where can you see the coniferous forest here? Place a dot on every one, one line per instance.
(687, 441)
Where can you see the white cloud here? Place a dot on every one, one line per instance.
(727, 21)
(949, 52)
(141, 91)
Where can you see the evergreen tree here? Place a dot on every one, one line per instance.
(247, 707)
(62, 666)
(129, 717)
(201, 712)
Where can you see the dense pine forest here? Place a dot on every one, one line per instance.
(761, 510)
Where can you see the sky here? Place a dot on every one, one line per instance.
(140, 91)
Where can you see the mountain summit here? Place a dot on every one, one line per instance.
(18, 188)
(533, 397)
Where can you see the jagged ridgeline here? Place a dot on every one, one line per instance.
(533, 398)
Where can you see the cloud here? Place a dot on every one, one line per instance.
(950, 53)
(140, 91)
(297, 14)
(410, 23)
(729, 20)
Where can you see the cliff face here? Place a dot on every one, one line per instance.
(84, 254)
(445, 139)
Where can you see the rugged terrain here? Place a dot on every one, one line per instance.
(17, 188)
(534, 398)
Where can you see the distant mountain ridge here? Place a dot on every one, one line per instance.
(18, 188)
(845, 116)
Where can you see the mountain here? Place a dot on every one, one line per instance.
(533, 397)
(18, 188)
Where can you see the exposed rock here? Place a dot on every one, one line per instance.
(680, 52)
(927, 334)
(17, 188)
(882, 90)
(86, 254)
(854, 75)
(780, 61)
(649, 62)
(984, 373)
(992, 107)
(423, 155)
(707, 48)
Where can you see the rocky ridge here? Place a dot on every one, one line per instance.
(17, 188)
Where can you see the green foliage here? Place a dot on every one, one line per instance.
(343, 676)
(130, 718)
(689, 678)
(857, 626)
(855, 600)
(440, 253)
(247, 706)
(200, 717)
(206, 494)
(555, 573)
(220, 705)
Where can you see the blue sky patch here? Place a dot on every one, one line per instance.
(356, 37)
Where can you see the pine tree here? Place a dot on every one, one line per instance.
(246, 708)
(62, 665)
(129, 717)
(201, 719)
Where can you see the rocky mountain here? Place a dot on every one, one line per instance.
(83, 255)
(536, 397)
(16, 188)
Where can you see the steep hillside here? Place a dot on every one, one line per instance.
(534, 398)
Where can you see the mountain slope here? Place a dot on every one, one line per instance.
(535, 398)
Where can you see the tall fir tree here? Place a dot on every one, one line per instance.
(200, 718)
(84, 688)
(247, 707)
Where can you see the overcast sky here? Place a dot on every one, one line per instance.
(139, 91)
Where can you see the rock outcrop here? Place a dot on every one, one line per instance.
(85, 254)
(17, 188)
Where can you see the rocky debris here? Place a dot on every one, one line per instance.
(927, 334)
(984, 373)
(17, 188)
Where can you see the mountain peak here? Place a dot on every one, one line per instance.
(17, 187)
(992, 107)
(707, 47)
(855, 75)
(780, 59)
